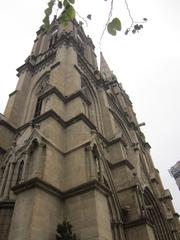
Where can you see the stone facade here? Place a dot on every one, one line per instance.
(71, 148)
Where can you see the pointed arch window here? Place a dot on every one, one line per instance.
(38, 107)
(53, 37)
(80, 39)
(42, 87)
(20, 172)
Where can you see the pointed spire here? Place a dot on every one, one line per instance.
(104, 68)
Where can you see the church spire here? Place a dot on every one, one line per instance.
(104, 68)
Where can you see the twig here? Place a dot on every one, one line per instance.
(109, 17)
(82, 19)
(129, 12)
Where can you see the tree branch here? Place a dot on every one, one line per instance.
(109, 17)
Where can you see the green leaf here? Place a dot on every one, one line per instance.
(46, 23)
(70, 11)
(110, 28)
(47, 11)
(51, 3)
(66, 3)
(72, 1)
(116, 24)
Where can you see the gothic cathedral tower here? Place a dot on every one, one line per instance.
(71, 148)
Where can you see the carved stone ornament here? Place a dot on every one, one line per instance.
(43, 86)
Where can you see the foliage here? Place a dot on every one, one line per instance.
(68, 13)
(113, 26)
(64, 232)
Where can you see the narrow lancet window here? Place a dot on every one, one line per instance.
(38, 108)
(20, 172)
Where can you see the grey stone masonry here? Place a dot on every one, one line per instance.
(71, 149)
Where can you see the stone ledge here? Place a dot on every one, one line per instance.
(65, 99)
(140, 221)
(166, 195)
(54, 115)
(124, 162)
(38, 183)
(4, 122)
(129, 185)
(87, 187)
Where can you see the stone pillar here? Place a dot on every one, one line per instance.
(26, 158)
(4, 179)
(38, 161)
(8, 183)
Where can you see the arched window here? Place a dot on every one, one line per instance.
(81, 42)
(38, 107)
(20, 172)
(97, 160)
(41, 88)
(53, 37)
(155, 216)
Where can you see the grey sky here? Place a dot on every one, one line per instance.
(147, 64)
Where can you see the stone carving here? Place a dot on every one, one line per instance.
(43, 86)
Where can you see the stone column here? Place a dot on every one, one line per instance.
(38, 161)
(8, 183)
(91, 164)
(26, 157)
(4, 179)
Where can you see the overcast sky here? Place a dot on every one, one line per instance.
(147, 64)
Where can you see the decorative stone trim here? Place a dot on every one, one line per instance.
(36, 183)
(7, 125)
(115, 140)
(85, 187)
(82, 188)
(166, 195)
(124, 162)
(65, 99)
(130, 185)
(140, 221)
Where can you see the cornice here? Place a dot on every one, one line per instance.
(33, 65)
(85, 187)
(129, 185)
(65, 99)
(166, 195)
(118, 164)
(140, 221)
(54, 115)
(115, 140)
(37, 183)
(7, 125)
(80, 189)
(65, 124)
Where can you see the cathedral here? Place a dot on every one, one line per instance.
(71, 149)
